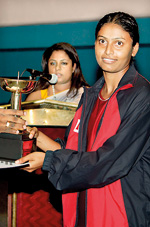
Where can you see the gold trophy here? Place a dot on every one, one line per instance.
(14, 146)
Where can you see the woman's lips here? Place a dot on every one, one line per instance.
(58, 75)
(109, 60)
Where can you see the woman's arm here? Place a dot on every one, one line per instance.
(45, 143)
(42, 141)
(34, 96)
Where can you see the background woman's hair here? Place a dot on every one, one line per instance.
(77, 80)
(126, 21)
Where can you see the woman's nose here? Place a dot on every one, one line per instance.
(109, 49)
(58, 67)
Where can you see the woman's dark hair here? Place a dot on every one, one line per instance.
(126, 21)
(77, 80)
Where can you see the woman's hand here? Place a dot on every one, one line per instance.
(43, 141)
(35, 160)
(34, 132)
(11, 121)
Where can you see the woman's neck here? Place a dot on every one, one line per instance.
(61, 87)
(111, 83)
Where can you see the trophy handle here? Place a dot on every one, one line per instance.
(16, 100)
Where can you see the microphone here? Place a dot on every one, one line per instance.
(51, 78)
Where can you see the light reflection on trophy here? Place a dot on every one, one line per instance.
(15, 146)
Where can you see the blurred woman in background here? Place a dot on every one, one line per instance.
(62, 60)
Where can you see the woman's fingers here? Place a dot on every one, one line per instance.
(10, 121)
(33, 132)
(35, 160)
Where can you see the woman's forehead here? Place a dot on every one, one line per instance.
(114, 31)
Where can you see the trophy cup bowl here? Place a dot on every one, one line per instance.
(11, 145)
(17, 87)
(21, 86)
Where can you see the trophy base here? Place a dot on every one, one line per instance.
(13, 147)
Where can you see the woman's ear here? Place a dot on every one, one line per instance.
(74, 67)
(135, 49)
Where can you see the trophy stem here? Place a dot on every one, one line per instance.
(16, 100)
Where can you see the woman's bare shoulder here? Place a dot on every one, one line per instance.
(34, 96)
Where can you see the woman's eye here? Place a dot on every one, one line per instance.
(52, 63)
(64, 63)
(102, 41)
(119, 43)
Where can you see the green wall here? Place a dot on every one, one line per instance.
(22, 47)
